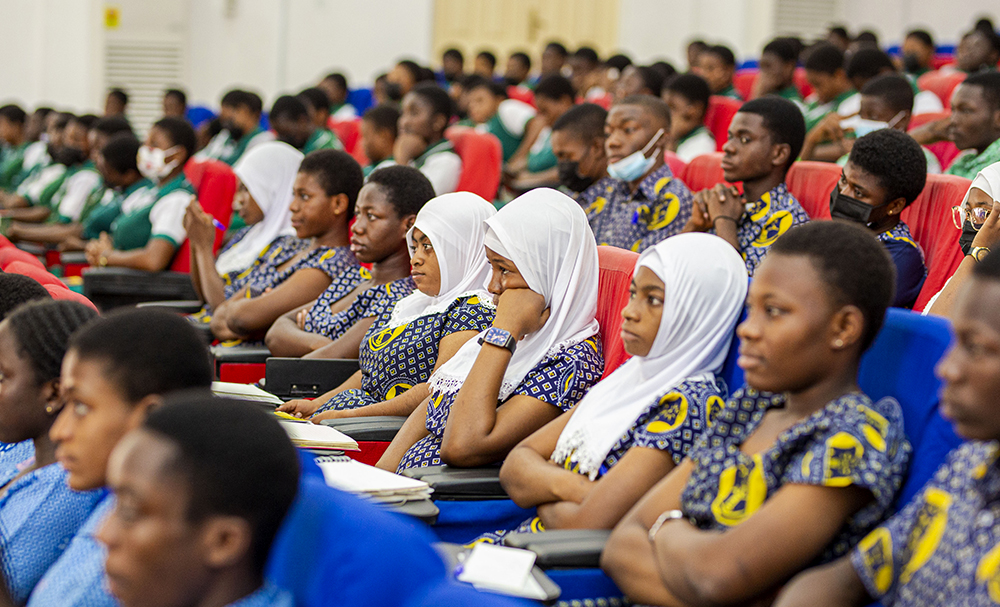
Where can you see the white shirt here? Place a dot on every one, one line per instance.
(78, 189)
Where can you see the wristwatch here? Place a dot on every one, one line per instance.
(979, 253)
(500, 338)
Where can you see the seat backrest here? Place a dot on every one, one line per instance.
(521, 93)
(811, 183)
(4, 242)
(25, 268)
(616, 267)
(942, 84)
(62, 293)
(482, 159)
(719, 114)
(12, 254)
(801, 82)
(348, 131)
(930, 221)
(743, 81)
(677, 166)
(704, 171)
(215, 184)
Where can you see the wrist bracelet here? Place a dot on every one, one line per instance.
(669, 515)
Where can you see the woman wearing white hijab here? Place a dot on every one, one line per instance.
(587, 467)
(539, 357)
(266, 175)
(425, 329)
(979, 215)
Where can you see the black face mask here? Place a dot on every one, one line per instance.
(911, 63)
(968, 235)
(571, 178)
(393, 91)
(234, 131)
(69, 156)
(843, 206)
(297, 143)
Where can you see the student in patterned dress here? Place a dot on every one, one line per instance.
(800, 464)
(424, 329)
(941, 549)
(39, 513)
(884, 174)
(293, 270)
(764, 139)
(537, 360)
(334, 325)
(586, 468)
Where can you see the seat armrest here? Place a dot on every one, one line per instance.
(563, 548)
(177, 306)
(116, 287)
(73, 257)
(381, 429)
(240, 354)
(306, 377)
(461, 483)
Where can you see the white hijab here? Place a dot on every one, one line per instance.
(268, 171)
(987, 180)
(704, 285)
(454, 223)
(546, 235)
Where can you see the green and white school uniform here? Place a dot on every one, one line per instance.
(508, 125)
(108, 208)
(540, 156)
(81, 187)
(158, 212)
(697, 142)
(322, 139)
(842, 104)
(440, 165)
(41, 184)
(11, 161)
(223, 147)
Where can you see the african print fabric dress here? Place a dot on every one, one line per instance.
(849, 442)
(265, 273)
(560, 380)
(764, 221)
(393, 360)
(371, 302)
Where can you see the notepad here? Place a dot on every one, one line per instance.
(244, 392)
(310, 436)
(501, 569)
(361, 479)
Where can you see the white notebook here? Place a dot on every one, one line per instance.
(310, 436)
(362, 479)
(244, 392)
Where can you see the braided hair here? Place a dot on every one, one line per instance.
(43, 329)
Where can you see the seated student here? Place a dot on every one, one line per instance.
(534, 164)
(764, 139)
(717, 65)
(266, 178)
(940, 549)
(116, 103)
(838, 36)
(828, 79)
(379, 128)
(425, 114)
(869, 63)
(578, 145)
(111, 378)
(777, 72)
(640, 202)
(175, 103)
(241, 130)
(979, 218)
(974, 125)
(584, 64)
(293, 124)
(586, 468)
(800, 464)
(151, 229)
(334, 325)
(291, 271)
(36, 151)
(485, 65)
(211, 479)
(424, 329)
(517, 70)
(638, 80)
(335, 87)
(978, 51)
(694, 50)
(14, 143)
(40, 180)
(402, 79)
(918, 53)
(39, 513)
(492, 112)
(537, 360)
(687, 97)
(884, 174)
(553, 59)
(318, 104)
(452, 68)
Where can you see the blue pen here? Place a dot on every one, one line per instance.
(218, 224)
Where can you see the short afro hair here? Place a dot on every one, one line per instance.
(384, 117)
(43, 329)
(724, 54)
(922, 36)
(619, 62)
(868, 62)
(180, 132)
(316, 97)
(588, 55)
(236, 459)
(654, 105)
(437, 97)
(691, 87)
(558, 48)
(177, 94)
(825, 58)
(584, 122)
(893, 89)
(120, 95)
(652, 78)
(292, 108)
(895, 159)
(337, 173)
(86, 120)
(145, 352)
(488, 56)
(665, 69)
(406, 188)
(453, 53)
(555, 87)
(989, 82)
(782, 48)
(17, 289)
(112, 125)
(120, 152)
(855, 267)
(337, 79)
(237, 98)
(523, 58)
(783, 121)
(13, 114)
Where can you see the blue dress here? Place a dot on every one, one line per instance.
(394, 360)
(371, 302)
(560, 380)
(267, 595)
(764, 221)
(14, 454)
(849, 442)
(909, 261)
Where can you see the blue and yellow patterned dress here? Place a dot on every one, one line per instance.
(393, 360)
(370, 302)
(265, 273)
(764, 221)
(560, 380)
(849, 442)
(672, 424)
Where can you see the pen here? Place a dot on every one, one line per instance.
(218, 224)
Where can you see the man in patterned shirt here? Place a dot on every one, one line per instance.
(640, 202)
(943, 548)
(765, 137)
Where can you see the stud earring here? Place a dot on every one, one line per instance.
(49, 409)
(839, 343)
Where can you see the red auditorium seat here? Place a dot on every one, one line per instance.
(704, 171)
(929, 218)
(215, 183)
(348, 131)
(944, 151)
(942, 84)
(10, 254)
(677, 166)
(743, 81)
(4, 242)
(63, 293)
(31, 270)
(616, 266)
(802, 83)
(482, 159)
(811, 183)
(522, 93)
(718, 116)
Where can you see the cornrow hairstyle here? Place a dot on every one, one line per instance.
(43, 329)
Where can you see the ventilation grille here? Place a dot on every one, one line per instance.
(144, 69)
(806, 18)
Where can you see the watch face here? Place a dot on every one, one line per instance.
(497, 337)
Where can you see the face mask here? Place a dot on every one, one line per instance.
(634, 165)
(863, 126)
(393, 91)
(911, 63)
(69, 156)
(234, 131)
(570, 177)
(152, 162)
(843, 206)
(968, 235)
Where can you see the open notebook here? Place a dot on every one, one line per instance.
(310, 436)
(249, 392)
(368, 481)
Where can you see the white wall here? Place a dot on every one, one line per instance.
(891, 19)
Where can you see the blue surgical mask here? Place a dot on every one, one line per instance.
(634, 165)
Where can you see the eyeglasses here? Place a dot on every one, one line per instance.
(977, 216)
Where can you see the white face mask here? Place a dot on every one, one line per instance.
(152, 162)
(862, 126)
(635, 165)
